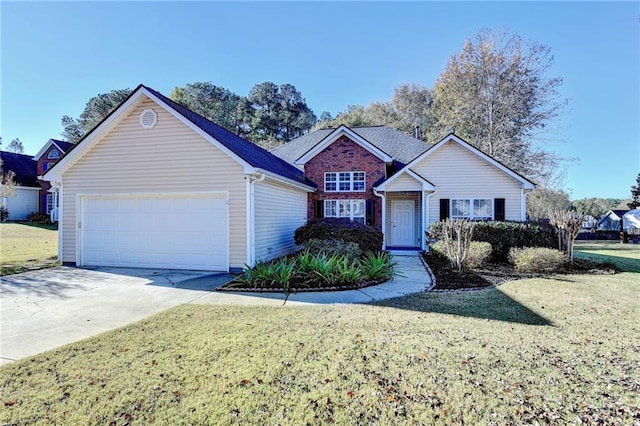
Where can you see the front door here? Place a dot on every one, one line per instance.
(403, 224)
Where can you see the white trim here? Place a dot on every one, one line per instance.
(60, 217)
(27, 187)
(426, 185)
(334, 136)
(285, 180)
(95, 135)
(526, 183)
(145, 113)
(351, 181)
(471, 200)
(251, 180)
(383, 225)
(79, 218)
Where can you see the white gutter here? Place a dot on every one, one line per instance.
(285, 180)
(384, 217)
(425, 215)
(58, 186)
(250, 180)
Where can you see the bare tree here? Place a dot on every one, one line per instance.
(568, 224)
(457, 235)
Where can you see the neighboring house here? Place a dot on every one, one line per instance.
(25, 195)
(611, 220)
(589, 222)
(400, 184)
(50, 153)
(156, 185)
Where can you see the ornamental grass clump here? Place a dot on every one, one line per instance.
(536, 259)
(377, 266)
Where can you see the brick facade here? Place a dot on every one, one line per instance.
(344, 155)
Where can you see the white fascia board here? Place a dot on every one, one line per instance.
(335, 135)
(44, 149)
(526, 183)
(89, 141)
(426, 185)
(285, 180)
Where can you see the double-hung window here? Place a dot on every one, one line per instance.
(344, 181)
(472, 208)
(345, 209)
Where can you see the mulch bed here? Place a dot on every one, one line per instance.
(494, 274)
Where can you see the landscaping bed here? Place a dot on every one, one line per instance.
(491, 274)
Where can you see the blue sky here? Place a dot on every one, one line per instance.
(55, 56)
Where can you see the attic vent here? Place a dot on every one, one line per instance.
(148, 118)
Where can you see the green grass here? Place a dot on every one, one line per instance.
(26, 246)
(624, 256)
(531, 351)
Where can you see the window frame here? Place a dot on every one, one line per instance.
(334, 181)
(54, 154)
(472, 208)
(352, 209)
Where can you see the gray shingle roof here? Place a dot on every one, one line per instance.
(402, 147)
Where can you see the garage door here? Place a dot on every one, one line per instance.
(186, 231)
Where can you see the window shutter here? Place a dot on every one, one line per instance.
(319, 209)
(444, 208)
(499, 209)
(371, 212)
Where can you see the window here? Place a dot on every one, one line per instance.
(348, 209)
(49, 203)
(54, 154)
(344, 181)
(474, 209)
(45, 166)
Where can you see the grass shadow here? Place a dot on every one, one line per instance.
(489, 304)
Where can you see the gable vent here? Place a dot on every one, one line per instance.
(148, 118)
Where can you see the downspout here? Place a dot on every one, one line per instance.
(251, 179)
(60, 217)
(384, 217)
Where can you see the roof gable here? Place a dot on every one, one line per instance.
(62, 146)
(334, 136)
(250, 156)
(400, 146)
(24, 167)
(526, 183)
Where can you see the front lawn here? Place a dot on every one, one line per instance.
(547, 351)
(624, 256)
(26, 246)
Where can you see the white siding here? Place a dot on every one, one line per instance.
(404, 183)
(279, 211)
(23, 201)
(169, 157)
(458, 173)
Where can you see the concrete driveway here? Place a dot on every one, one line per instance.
(41, 310)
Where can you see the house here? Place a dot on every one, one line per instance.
(48, 155)
(156, 185)
(400, 184)
(611, 220)
(25, 195)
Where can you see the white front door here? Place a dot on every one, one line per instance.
(403, 223)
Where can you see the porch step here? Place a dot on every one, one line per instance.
(404, 252)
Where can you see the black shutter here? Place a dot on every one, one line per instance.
(371, 212)
(444, 208)
(318, 212)
(499, 209)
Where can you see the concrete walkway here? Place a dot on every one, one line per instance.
(41, 310)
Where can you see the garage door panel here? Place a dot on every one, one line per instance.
(167, 231)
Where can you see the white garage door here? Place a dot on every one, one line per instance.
(186, 231)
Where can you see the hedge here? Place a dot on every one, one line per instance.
(368, 238)
(506, 235)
